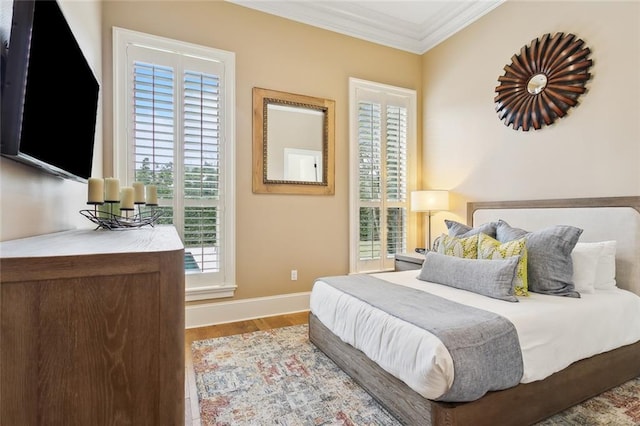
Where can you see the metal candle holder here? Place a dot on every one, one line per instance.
(112, 221)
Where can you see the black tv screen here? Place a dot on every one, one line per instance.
(49, 93)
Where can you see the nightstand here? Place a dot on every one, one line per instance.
(408, 261)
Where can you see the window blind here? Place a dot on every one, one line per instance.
(381, 139)
(174, 128)
(202, 150)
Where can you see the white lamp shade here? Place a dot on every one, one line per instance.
(428, 201)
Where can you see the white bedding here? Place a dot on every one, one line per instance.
(553, 331)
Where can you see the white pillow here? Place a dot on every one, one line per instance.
(606, 271)
(594, 266)
(585, 264)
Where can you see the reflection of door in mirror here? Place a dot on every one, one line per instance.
(292, 128)
(302, 165)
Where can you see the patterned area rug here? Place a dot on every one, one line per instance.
(279, 377)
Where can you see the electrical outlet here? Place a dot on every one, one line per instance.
(294, 274)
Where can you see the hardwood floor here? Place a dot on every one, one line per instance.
(192, 411)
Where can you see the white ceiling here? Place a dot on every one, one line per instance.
(412, 25)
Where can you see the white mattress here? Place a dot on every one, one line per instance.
(553, 331)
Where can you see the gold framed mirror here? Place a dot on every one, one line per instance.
(293, 143)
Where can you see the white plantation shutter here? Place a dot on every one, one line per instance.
(382, 136)
(202, 151)
(396, 149)
(179, 136)
(369, 181)
(153, 123)
(396, 181)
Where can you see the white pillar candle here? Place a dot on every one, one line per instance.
(152, 195)
(126, 198)
(112, 189)
(96, 191)
(138, 190)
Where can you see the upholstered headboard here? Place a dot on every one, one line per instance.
(602, 219)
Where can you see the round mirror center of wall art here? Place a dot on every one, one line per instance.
(536, 84)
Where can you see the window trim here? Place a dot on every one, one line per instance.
(196, 287)
(386, 91)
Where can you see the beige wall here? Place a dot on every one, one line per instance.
(275, 233)
(33, 202)
(593, 151)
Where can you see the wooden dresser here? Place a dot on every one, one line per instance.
(92, 328)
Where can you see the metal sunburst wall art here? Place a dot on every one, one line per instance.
(543, 81)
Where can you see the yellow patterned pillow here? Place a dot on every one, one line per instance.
(459, 247)
(490, 248)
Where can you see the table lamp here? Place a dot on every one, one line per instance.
(429, 201)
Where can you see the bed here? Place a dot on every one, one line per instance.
(606, 357)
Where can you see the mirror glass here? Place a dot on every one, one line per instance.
(536, 84)
(293, 143)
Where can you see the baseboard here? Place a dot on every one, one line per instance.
(204, 314)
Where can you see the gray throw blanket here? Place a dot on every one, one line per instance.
(484, 346)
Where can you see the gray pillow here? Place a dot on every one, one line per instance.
(549, 264)
(492, 278)
(457, 229)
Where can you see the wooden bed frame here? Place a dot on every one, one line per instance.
(523, 404)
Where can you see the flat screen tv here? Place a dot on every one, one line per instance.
(49, 93)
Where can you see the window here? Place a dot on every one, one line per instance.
(383, 159)
(174, 127)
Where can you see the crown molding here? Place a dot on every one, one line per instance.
(458, 16)
(357, 20)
